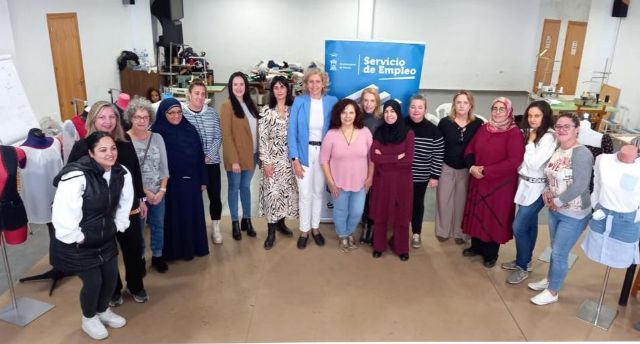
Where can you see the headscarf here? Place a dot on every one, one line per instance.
(507, 123)
(181, 142)
(392, 133)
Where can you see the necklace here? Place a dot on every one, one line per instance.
(350, 136)
(281, 110)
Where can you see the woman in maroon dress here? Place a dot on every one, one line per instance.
(391, 205)
(493, 157)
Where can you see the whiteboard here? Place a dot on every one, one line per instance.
(16, 115)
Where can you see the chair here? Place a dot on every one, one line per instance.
(443, 110)
(432, 118)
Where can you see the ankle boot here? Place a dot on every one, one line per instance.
(282, 228)
(246, 225)
(235, 230)
(271, 236)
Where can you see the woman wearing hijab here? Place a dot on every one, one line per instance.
(391, 205)
(185, 233)
(493, 157)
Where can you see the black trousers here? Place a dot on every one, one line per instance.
(213, 191)
(419, 189)
(98, 285)
(488, 250)
(131, 247)
(365, 213)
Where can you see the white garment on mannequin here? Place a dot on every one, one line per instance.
(36, 180)
(588, 136)
(69, 137)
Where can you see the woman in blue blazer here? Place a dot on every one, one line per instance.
(308, 123)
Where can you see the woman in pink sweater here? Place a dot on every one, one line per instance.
(344, 157)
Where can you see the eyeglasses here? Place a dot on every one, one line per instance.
(564, 127)
(174, 113)
(140, 118)
(498, 110)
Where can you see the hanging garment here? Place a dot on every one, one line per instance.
(36, 181)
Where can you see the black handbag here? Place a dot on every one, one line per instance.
(12, 212)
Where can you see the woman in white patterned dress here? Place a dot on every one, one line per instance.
(278, 187)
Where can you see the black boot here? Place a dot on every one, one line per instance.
(246, 225)
(235, 230)
(282, 228)
(271, 236)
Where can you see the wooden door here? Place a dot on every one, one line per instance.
(67, 60)
(547, 53)
(572, 56)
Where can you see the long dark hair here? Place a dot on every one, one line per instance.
(272, 98)
(246, 97)
(545, 124)
(336, 122)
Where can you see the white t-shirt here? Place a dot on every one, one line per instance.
(316, 120)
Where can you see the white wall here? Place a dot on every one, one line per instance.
(6, 33)
(486, 45)
(106, 28)
(625, 72)
(238, 34)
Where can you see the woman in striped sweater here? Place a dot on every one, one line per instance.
(427, 161)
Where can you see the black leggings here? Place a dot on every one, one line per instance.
(419, 189)
(131, 247)
(213, 191)
(97, 287)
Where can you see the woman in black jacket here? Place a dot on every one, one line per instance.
(91, 204)
(104, 117)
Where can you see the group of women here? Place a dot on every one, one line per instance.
(376, 164)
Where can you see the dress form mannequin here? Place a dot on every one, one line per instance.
(614, 231)
(10, 158)
(44, 162)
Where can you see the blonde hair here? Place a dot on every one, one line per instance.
(96, 109)
(452, 113)
(377, 113)
(315, 71)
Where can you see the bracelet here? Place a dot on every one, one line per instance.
(163, 189)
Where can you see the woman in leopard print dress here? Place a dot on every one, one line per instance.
(278, 187)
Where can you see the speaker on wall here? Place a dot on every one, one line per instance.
(620, 8)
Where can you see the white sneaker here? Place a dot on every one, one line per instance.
(540, 285)
(544, 298)
(94, 328)
(416, 241)
(216, 237)
(111, 319)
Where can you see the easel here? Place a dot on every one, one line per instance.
(24, 310)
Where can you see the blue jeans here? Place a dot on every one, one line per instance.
(564, 232)
(347, 211)
(155, 219)
(239, 183)
(525, 229)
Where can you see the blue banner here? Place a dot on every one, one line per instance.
(393, 68)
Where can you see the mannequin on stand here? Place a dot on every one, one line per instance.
(615, 226)
(44, 162)
(13, 217)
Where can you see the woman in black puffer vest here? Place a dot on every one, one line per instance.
(91, 204)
